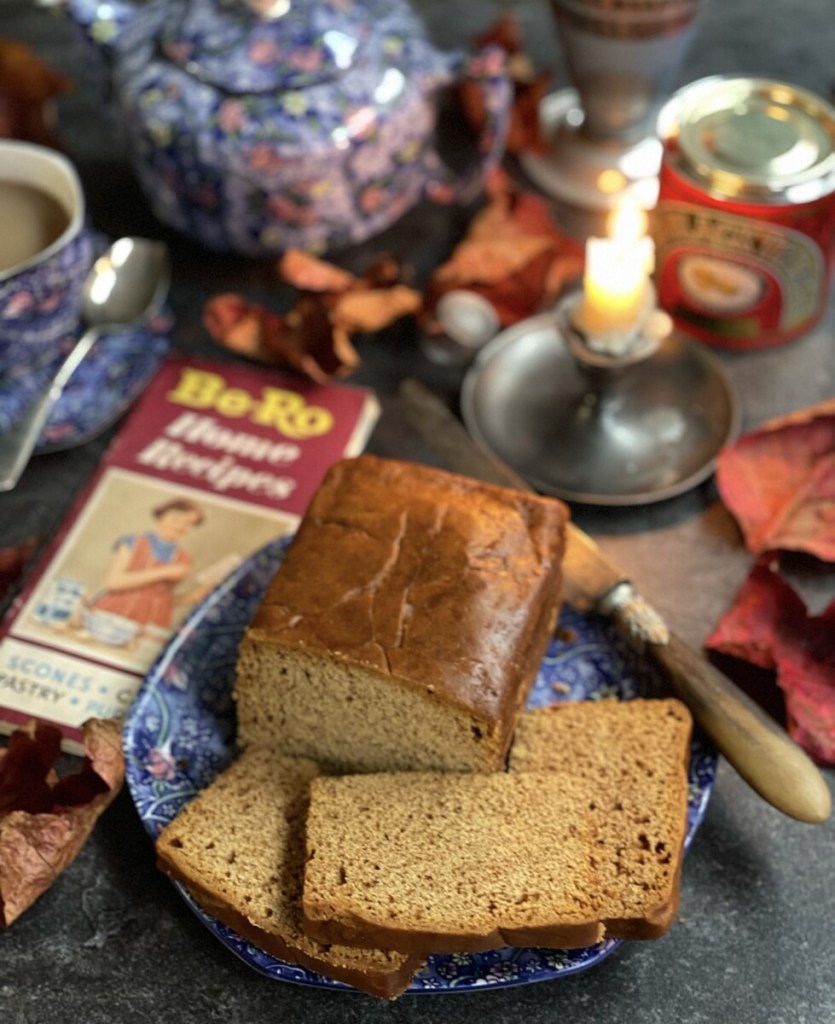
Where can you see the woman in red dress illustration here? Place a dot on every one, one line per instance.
(146, 568)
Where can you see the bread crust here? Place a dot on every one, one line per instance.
(352, 930)
(441, 586)
(238, 849)
(386, 985)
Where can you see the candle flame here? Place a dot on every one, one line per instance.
(628, 223)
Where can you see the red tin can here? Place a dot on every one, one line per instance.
(745, 222)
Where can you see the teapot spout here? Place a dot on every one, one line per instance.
(438, 69)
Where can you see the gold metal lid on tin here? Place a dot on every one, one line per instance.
(753, 138)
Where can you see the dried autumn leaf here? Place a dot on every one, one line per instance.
(489, 261)
(13, 560)
(763, 606)
(309, 342)
(529, 88)
(310, 273)
(512, 254)
(770, 626)
(239, 325)
(806, 674)
(27, 88)
(374, 308)
(505, 31)
(45, 820)
(779, 483)
(302, 340)
(315, 336)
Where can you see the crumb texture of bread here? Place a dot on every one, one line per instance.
(583, 836)
(406, 624)
(238, 847)
(634, 756)
(450, 862)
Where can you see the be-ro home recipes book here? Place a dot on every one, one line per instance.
(214, 461)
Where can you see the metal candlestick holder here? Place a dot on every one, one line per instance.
(637, 418)
(600, 134)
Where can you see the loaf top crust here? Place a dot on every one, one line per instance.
(430, 578)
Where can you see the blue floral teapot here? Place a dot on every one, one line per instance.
(261, 125)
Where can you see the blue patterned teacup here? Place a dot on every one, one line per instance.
(46, 250)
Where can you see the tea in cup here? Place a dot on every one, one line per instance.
(46, 251)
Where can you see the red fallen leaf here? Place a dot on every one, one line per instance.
(763, 605)
(26, 775)
(240, 325)
(44, 820)
(13, 560)
(505, 32)
(769, 625)
(779, 483)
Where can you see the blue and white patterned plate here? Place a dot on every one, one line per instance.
(180, 732)
(103, 387)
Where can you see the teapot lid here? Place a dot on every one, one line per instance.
(265, 45)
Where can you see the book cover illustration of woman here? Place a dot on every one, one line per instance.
(145, 570)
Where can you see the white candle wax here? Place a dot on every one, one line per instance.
(616, 276)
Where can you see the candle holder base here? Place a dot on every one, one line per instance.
(586, 173)
(621, 432)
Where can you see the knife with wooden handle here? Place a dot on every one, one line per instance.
(757, 747)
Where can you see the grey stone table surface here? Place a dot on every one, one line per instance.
(755, 941)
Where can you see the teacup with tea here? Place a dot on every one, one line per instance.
(46, 251)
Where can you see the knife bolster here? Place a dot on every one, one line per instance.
(633, 614)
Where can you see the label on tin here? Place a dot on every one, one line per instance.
(734, 280)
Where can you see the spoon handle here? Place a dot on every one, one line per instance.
(18, 442)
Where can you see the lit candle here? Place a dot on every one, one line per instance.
(616, 288)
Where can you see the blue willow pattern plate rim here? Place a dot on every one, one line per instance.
(180, 732)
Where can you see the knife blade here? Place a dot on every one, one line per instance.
(750, 740)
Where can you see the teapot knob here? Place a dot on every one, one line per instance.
(269, 10)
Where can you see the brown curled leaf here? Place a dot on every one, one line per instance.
(302, 340)
(513, 254)
(316, 336)
(373, 309)
(27, 89)
(45, 820)
(241, 326)
(308, 342)
(311, 274)
(529, 88)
